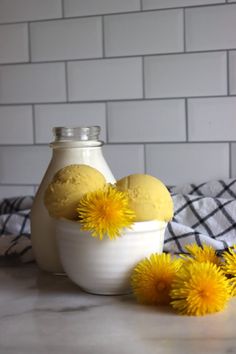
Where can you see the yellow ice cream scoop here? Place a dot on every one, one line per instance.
(148, 197)
(68, 186)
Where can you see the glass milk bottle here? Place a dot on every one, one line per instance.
(78, 145)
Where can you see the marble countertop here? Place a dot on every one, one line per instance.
(42, 313)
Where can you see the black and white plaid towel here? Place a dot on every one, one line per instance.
(15, 228)
(204, 213)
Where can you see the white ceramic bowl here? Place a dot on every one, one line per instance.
(104, 266)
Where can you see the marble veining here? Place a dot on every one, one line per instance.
(42, 313)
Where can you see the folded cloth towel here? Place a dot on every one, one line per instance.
(15, 228)
(203, 213)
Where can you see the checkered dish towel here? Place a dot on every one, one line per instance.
(15, 228)
(204, 213)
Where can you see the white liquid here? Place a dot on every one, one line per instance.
(42, 225)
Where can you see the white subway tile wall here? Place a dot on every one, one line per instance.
(14, 43)
(211, 27)
(205, 119)
(95, 7)
(105, 79)
(144, 33)
(16, 125)
(66, 39)
(29, 10)
(195, 74)
(23, 165)
(30, 83)
(163, 4)
(178, 163)
(125, 159)
(48, 116)
(158, 76)
(147, 121)
(232, 70)
(13, 191)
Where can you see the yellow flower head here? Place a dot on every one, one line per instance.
(201, 254)
(229, 266)
(199, 289)
(105, 212)
(233, 286)
(152, 279)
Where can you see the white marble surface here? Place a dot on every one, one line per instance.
(41, 313)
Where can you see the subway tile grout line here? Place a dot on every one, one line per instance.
(63, 9)
(119, 13)
(173, 142)
(35, 62)
(145, 157)
(186, 120)
(29, 42)
(184, 30)
(143, 79)
(227, 73)
(66, 82)
(106, 121)
(136, 143)
(118, 100)
(103, 37)
(34, 124)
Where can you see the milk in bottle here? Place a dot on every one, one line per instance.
(78, 145)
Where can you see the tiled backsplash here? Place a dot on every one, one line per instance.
(159, 77)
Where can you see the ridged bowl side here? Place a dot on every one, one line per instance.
(104, 267)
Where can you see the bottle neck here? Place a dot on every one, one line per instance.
(76, 153)
(79, 145)
(58, 145)
(87, 155)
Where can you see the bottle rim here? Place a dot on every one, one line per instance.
(80, 133)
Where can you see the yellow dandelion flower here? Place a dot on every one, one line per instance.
(105, 212)
(200, 254)
(229, 266)
(152, 278)
(233, 286)
(200, 289)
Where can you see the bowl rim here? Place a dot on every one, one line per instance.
(137, 226)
